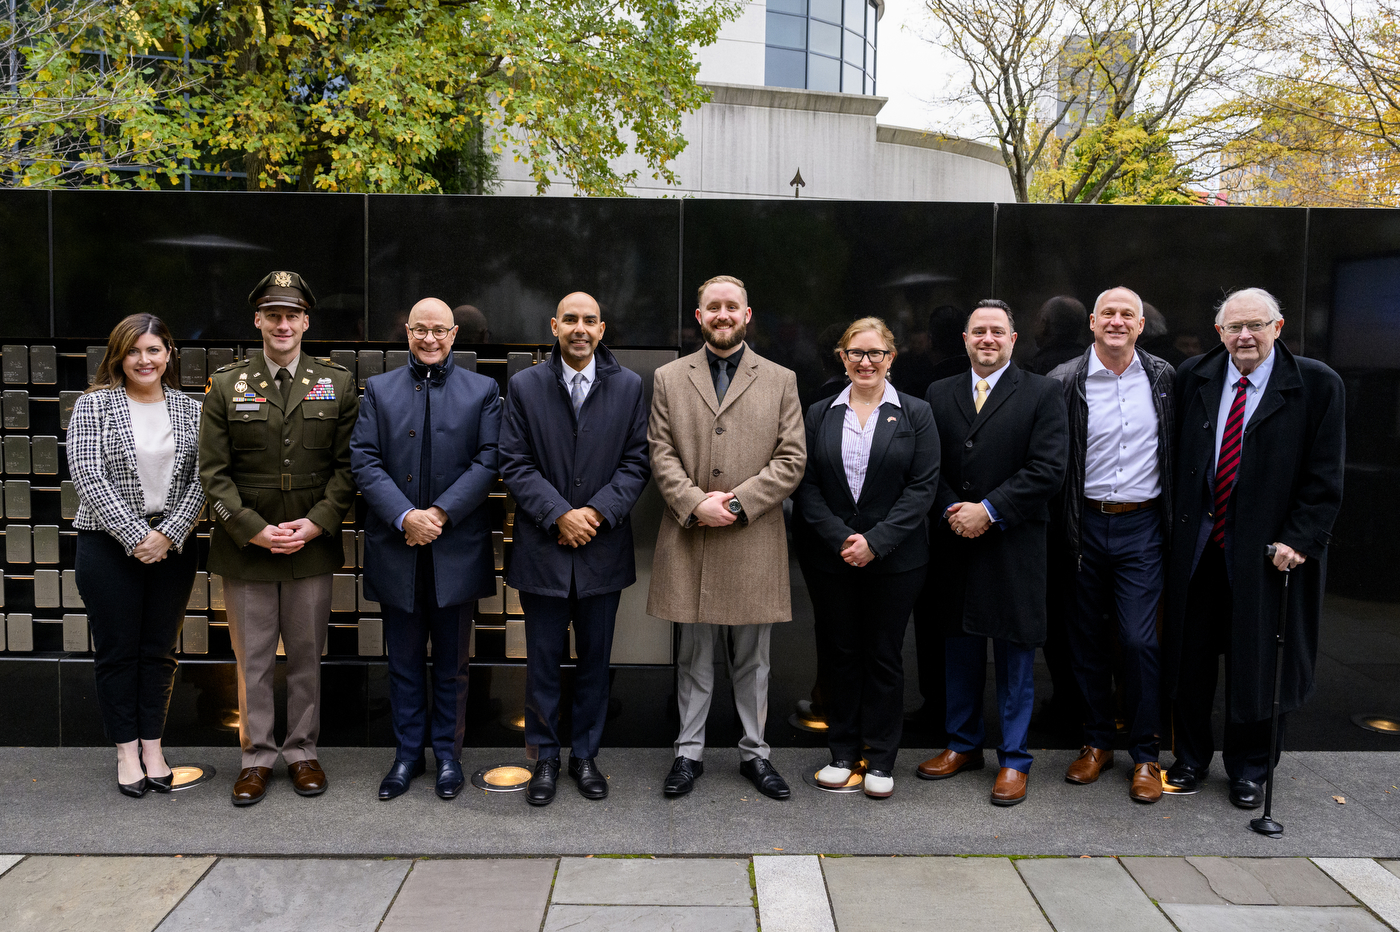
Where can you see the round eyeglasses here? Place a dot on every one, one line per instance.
(875, 355)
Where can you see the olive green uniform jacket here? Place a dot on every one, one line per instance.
(261, 465)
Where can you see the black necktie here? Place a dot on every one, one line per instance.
(284, 384)
(721, 378)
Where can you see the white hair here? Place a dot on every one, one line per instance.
(1247, 294)
(1136, 297)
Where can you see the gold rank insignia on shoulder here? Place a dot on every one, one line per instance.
(282, 279)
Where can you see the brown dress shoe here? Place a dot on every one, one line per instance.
(1090, 763)
(308, 779)
(950, 762)
(251, 785)
(1010, 788)
(1147, 783)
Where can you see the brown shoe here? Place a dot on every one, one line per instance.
(1147, 783)
(1010, 788)
(251, 785)
(1090, 763)
(308, 779)
(949, 763)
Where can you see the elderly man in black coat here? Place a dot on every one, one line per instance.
(1260, 451)
(574, 455)
(1004, 439)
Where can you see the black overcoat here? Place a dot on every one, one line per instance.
(553, 462)
(1012, 453)
(895, 498)
(1288, 489)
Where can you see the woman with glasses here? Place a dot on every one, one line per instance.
(861, 535)
(133, 444)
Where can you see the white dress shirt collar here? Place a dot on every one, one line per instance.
(891, 396)
(991, 379)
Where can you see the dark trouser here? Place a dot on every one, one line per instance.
(1066, 707)
(1118, 585)
(1205, 637)
(967, 677)
(546, 647)
(862, 618)
(930, 646)
(406, 637)
(135, 611)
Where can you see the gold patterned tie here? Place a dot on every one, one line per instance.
(981, 397)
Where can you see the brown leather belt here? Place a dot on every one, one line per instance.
(1117, 508)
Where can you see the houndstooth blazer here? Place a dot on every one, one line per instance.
(102, 461)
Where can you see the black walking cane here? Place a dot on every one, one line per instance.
(1265, 824)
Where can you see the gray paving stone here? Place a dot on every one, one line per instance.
(792, 894)
(1232, 882)
(473, 895)
(650, 919)
(1370, 883)
(899, 894)
(1190, 917)
(1295, 881)
(8, 861)
(1171, 880)
(1392, 866)
(289, 895)
(649, 882)
(1063, 886)
(58, 894)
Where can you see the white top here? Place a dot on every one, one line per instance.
(856, 440)
(589, 373)
(155, 450)
(991, 380)
(1120, 459)
(1253, 394)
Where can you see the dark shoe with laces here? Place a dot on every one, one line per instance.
(395, 782)
(591, 782)
(1182, 778)
(540, 792)
(449, 779)
(681, 779)
(761, 773)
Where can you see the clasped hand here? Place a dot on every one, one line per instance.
(856, 551)
(968, 519)
(713, 510)
(423, 526)
(153, 547)
(578, 526)
(287, 537)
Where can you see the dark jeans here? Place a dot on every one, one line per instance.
(1205, 637)
(547, 621)
(861, 618)
(406, 637)
(135, 611)
(1118, 586)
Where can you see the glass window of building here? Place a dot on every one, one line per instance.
(822, 45)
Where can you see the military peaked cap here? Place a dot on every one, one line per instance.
(282, 289)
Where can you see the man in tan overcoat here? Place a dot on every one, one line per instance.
(727, 446)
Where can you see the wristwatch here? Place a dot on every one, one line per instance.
(734, 506)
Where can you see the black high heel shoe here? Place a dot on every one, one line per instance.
(135, 790)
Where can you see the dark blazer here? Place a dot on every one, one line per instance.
(385, 452)
(900, 481)
(553, 463)
(1012, 454)
(1288, 489)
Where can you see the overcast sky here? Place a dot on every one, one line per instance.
(912, 72)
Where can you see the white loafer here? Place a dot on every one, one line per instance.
(878, 784)
(836, 774)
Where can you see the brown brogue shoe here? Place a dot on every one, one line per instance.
(1092, 761)
(308, 779)
(251, 785)
(1147, 783)
(950, 762)
(1010, 787)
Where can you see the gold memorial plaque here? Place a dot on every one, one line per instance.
(16, 365)
(45, 458)
(17, 499)
(16, 409)
(43, 365)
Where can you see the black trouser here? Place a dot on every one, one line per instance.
(1205, 636)
(861, 619)
(931, 647)
(135, 611)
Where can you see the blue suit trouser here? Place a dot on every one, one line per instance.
(967, 678)
(547, 620)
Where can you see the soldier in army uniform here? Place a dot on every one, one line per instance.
(274, 456)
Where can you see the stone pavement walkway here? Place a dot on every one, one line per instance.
(777, 893)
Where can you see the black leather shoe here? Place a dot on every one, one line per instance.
(135, 790)
(1184, 778)
(591, 782)
(681, 779)
(763, 776)
(162, 784)
(1246, 794)
(540, 792)
(395, 782)
(449, 779)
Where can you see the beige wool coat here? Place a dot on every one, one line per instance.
(753, 445)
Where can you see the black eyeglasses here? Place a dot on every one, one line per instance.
(438, 333)
(874, 355)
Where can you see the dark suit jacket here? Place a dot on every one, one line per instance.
(900, 481)
(386, 450)
(1012, 454)
(553, 463)
(1288, 489)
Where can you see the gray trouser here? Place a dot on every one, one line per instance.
(258, 612)
(746, 655)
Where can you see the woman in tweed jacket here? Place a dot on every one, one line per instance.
(133, 445)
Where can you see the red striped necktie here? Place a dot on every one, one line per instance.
(1231, 445)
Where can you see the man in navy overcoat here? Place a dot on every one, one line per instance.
(574, 455)
(424, 455)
